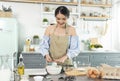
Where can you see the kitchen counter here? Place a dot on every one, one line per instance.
(100, 51)
(78, 78)
(82, 51)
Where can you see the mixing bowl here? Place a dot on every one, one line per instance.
(53, 69)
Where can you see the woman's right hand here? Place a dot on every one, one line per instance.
(48, 58)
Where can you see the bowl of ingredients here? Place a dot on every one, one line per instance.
(96, 47)
(38, 78)
(53, 69)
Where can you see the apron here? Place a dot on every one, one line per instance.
(59, 46)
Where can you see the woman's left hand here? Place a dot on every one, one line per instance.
(62, 59)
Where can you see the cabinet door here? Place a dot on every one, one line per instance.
(82, 59)
(113, 59)
(33, 60)
(98, 59)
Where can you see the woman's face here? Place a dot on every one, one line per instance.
(61, 19)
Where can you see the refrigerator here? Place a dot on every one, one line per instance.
(8, 36)
(8, 44)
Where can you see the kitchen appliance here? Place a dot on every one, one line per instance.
(8, 45)
(8, 36)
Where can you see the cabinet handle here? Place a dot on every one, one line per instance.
(1, 29)
(105, 57)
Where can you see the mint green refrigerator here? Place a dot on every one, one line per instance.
(8, 44)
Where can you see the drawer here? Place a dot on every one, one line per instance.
(98, 58)
(32, 56)
(113, 57)
(30, 66)
(82, 59)
(94, 64)
(113, 63)
(34, 61)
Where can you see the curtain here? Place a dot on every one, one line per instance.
(116, 25)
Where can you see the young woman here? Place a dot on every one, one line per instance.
(60, 42)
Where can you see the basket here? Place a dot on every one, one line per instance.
(5, 14)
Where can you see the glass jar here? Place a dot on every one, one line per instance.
(5, 70)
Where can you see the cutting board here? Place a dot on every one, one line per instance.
(75, 72)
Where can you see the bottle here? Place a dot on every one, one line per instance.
(75, 64)
(28, 43)
(21, 66)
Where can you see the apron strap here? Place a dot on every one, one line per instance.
(66, 29)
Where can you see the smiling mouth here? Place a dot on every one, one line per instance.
(61, 23)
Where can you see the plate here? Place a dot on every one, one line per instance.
(97, 49)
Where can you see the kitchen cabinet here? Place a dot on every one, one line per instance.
(112, 59)
(92, 58)
(82, 59)
(33, 60)
(97, 58)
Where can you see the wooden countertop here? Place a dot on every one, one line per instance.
(78, 78)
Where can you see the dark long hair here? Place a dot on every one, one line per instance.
(63, 10)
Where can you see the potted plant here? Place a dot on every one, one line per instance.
(35, 39)
(35, 36)
(45, 21)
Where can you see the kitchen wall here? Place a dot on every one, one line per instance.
(116, 25)
(28, 16)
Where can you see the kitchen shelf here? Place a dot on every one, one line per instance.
(41, 1)
(53, 13)
(95, 18)
(60, 3)
(48, 9)
(48, 12)
(97, 5)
